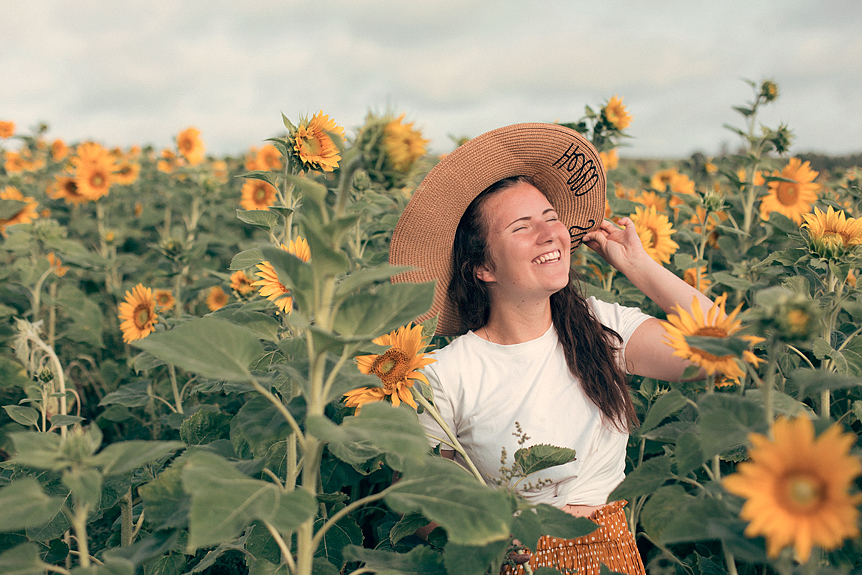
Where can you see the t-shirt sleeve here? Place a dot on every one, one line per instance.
(622, 319)
(444, 406)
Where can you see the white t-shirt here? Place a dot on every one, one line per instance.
(481, 389)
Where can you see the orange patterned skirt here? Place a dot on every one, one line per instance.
(612, 544)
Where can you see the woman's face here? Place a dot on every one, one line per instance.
(529, 247)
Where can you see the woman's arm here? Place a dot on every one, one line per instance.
(646, 353)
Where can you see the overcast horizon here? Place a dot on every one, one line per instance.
(135, 72)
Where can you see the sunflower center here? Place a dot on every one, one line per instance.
(142, 316)
(787, 194)
(804, 492)
(711, 331)
(391, 367)
(260, 195)
(836, 239)
(97, 180)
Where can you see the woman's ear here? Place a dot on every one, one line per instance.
(485, 273)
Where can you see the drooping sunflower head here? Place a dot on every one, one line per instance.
(257, 195)
(713, 324)
(404, 144)
(832, 234)
(615, 113)
(397, 368)
(313, 143)
(655, 231)
(138, 313)
(797, 487)
(794, 194)
(56, 265)
(191, 146)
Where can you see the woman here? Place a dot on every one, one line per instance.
(495, 223)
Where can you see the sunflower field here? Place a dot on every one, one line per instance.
(205, 367)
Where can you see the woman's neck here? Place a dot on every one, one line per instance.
(511, 324)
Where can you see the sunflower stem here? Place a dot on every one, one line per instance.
(178, 400)
(729, 560)
(455, 443)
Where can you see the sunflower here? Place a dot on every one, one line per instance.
(56, 265)
(616, 115)
(792, 198)
(138, 313)
(127, 172)
(403, 144)
(67, 188)
(269, 286)
(268, 158)
(257, 195)
(832, 234)
(190, 146)
(164, 299)
(241, 284)
(610, 160)
(14, 163)
(797, 487)
(623, 192)
(313, 144)
(651, 199)
(94, 180)
(694, 275)
(28, 213)
(397, 367)
(7, 129)
(220, 170)
(716, 323)
(655, 230)
(216, 298)
(59, 150)
(169, 162)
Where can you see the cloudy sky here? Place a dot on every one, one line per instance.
(128, 72)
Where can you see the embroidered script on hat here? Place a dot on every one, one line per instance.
(576, 232)
(583, 174)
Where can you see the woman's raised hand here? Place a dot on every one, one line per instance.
(620, 247)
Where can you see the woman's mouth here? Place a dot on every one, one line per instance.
(548, 257)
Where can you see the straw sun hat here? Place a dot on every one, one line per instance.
(562, 163)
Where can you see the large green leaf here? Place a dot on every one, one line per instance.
(644, 479)
(326, 258)
(726, 420)
(210, 347)
(804, 383)
(85, 486)
(9, 208)
(246, 259)
(688, 455)
(422, 560)
(471, 514)
(345, 532)
(225, 501)
(543, 519)
(539, 457)
(365, 277)
(662, 507)
(666, 405)
(124, 456)
(135, 394)
(367, 314)
(295, 274)
(472, 559)
(23, 414)
(260, 218)
(37, 450)
(379, 428)
(165, 502)
(24, 504)
(22, 560)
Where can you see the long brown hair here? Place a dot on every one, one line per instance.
(590, 348)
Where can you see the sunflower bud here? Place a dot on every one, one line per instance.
(361, 181)
(46, 375)
(171, 248)
(713, 201)
(769, 91)
(791, 316)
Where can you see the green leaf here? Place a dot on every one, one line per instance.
(406, 526)
(688, 454)
(694, 519)
(22, 560)
(544, 519)
(726, 420)
(379, 428)
(85, 485)
(731, 281)
(133, 394)
(822, 350)
(23, 415)
(439, 489)
(538, 457)
(782, 403)
(260, 218)
(661, 508)
(225, 501)
(683, 261)
(422, 560)
(295, 274)
(263, 175)
(644, 479)
(326, 258)
(61, 420)
(345, 532)
(310, 189)
(206, 425)
(8, 208)
(266, 327)
(246, 259)
(804, 383)
(259, 428)
(165, 502)
(472, 559)
(124, 456)
(368, 314)
(24, 505)
(153, 545)
(210, 347)
(852, 351)
(37, 450)
(666, 405)
(718, 346)
(365, 277)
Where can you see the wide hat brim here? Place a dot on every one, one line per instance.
(563, 164)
